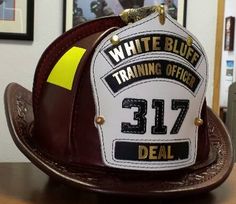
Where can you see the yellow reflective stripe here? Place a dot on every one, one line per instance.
(63, 72)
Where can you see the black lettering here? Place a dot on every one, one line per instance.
(159, 127)
(139, 116)
(183, 105)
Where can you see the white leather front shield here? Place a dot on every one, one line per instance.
(149, 88)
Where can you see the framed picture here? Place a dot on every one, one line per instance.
(17, 19)
(79, 11)
(229, 33)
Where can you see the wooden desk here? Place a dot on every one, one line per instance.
(23, 183)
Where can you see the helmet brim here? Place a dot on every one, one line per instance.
(20, 118)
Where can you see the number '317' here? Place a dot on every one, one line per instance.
(158, 125)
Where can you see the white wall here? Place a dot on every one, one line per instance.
(201, 21)
(18, 59)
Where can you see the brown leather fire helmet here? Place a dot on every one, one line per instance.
(120, 108)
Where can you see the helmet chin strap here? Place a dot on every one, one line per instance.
(133, 15)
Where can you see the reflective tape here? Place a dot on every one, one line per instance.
(63, 72)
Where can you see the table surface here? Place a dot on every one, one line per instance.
(23, 183)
